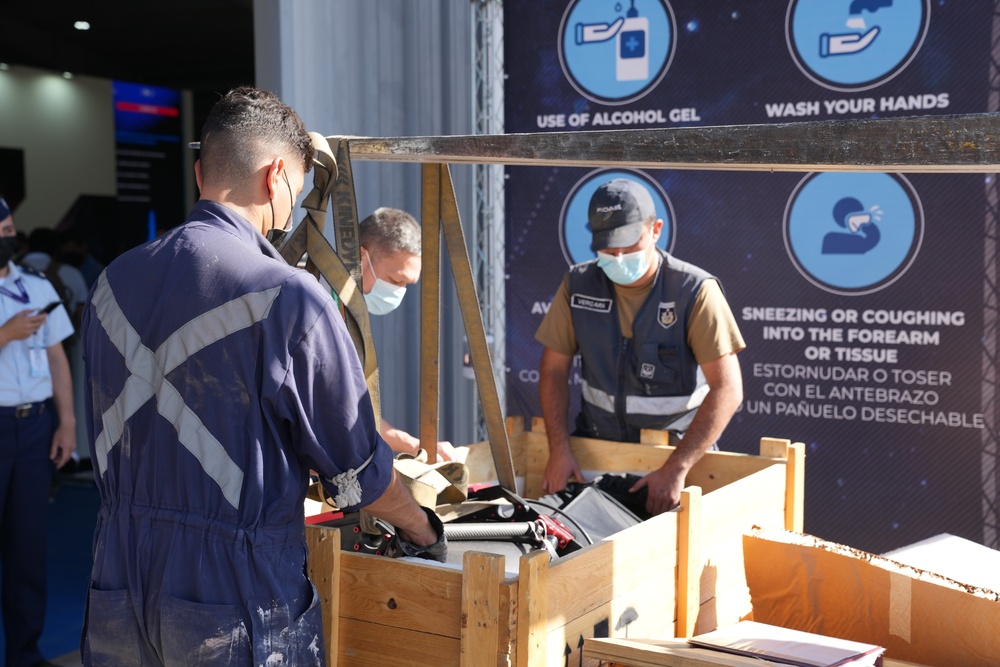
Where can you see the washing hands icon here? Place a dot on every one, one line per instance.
(851, 42)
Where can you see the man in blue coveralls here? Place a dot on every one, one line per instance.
(219, 377)
(37, 428)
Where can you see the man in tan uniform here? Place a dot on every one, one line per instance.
(657, 342)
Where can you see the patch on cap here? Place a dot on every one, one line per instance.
(618, 212)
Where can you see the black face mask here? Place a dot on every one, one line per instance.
(8, 246)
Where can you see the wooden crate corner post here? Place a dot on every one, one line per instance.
(481, 613)
(532, 609)
(324, 570)
(795, 457)
(689, 561)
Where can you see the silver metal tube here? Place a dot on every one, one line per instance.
(488, 531)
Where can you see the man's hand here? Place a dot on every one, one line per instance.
(560, 468)
(63, 444)
(21, 326)
(663, 486)
(420, 544)
(446, 451)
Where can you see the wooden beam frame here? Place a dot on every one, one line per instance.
(966, 143)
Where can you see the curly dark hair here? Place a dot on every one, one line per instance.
(248, 126)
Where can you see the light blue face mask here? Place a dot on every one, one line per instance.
(384, 297)
(623, 269)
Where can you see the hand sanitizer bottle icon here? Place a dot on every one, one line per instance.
(632, 47)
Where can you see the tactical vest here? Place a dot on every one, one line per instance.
(651, 380)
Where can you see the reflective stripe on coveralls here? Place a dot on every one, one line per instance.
(148, 379)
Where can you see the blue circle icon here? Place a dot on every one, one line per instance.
(574, 228)
(854, 45)
(853, 233)
(614, 52)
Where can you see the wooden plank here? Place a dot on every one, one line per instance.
(961, 143)
(758, 500)
(537, 425)
(654, 437)
(533, 610)
(717, 470)
(794, 455)
(774, 447)
(366, 644)
(430, 308)
(423, 598)
(481, 612)
(479, 458)
(589, 578)
(795, 488)
(689, 560)
(324, 560)
(632, 613)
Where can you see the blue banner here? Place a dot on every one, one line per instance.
(867, 299)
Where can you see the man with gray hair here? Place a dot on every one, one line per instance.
(390, 260)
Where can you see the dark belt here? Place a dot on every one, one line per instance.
(22, 411)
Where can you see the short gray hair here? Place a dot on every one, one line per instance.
(390, 230)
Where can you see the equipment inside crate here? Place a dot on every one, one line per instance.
(496, 520)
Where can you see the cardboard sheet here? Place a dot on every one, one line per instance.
(804, 583)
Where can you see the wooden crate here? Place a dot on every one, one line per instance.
(674, 575)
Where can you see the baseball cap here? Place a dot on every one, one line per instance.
(618, 212)
(4, 209)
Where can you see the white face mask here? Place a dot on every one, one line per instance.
(384, 297)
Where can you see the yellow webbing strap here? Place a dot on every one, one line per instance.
(333, 179)
(475, 331)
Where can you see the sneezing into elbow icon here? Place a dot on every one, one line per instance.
(631, 35)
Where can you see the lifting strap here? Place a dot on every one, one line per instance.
(341, 268)
(333, 179)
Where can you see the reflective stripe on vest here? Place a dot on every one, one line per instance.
(148, 378)
(644, 405)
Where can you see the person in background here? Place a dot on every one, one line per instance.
(37, 429)
(21, 246)
(43, 246)
(74, 249)
(219, 377)
(390, 261)
(657, 342)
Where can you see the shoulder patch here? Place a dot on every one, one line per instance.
(584, 302)
(30, 270)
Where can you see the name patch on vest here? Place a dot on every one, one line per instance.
(667, 314)
(593, 303)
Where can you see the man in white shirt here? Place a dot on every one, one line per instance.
(37, 429)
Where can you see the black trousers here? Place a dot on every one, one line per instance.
(25, 480)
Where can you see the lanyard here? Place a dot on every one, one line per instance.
(20, 298)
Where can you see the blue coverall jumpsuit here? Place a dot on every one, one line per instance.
(218, 376)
